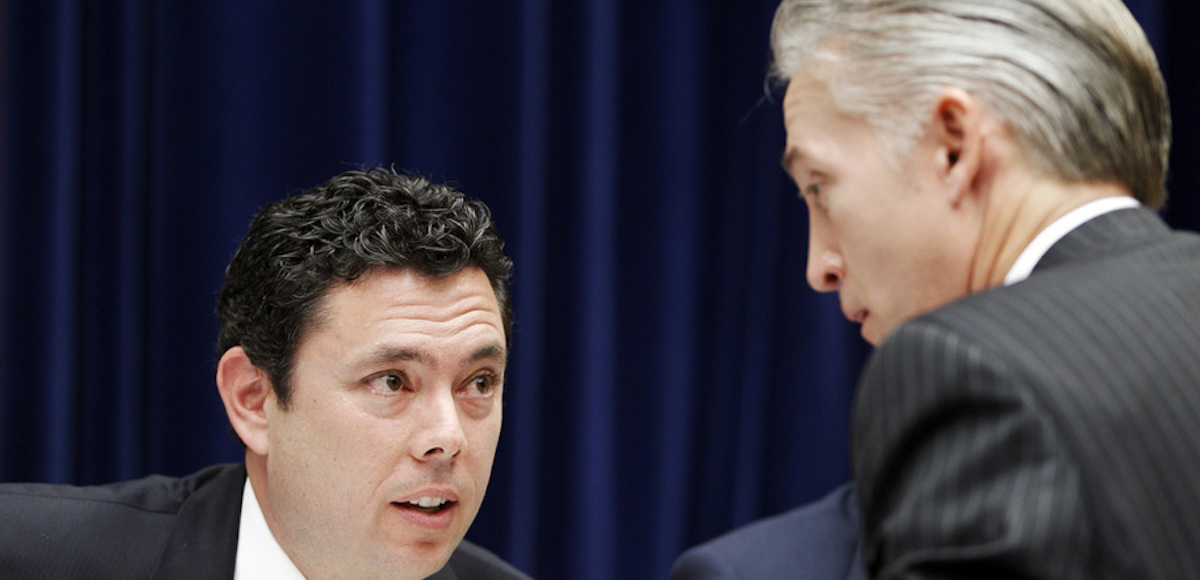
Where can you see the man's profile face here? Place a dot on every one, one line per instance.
(880, 235)
(381, 461)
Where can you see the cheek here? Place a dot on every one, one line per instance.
(478, 409)
(918, 282)
(872, 259)
(342, 441)
(484, 437)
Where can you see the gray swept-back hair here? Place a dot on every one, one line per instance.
(1076, 80)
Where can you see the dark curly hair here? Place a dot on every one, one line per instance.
(298, 248)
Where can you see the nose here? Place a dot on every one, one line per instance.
(439, 434)
(826, 268)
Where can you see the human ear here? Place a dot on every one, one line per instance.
(244, 390)
(958, 141)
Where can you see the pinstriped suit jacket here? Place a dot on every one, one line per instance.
(1050, 429)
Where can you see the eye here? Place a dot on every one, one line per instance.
(812, 191)
(482, 385)
(387, 383)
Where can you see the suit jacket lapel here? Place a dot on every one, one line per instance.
(203, 542)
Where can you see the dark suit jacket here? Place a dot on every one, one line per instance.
(157, 527)
(818, 541)
(1050, 429)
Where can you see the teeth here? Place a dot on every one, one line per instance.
(429, 502)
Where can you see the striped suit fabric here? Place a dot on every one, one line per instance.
(1049, 429)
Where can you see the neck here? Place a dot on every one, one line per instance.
(1010, 222)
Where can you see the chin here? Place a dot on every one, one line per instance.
(435, 554)
(873, 333)
(867, 333)
(424, 563)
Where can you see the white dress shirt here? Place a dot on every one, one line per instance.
(258, 554)
(1064, 225)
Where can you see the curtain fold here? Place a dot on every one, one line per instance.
(672, 375)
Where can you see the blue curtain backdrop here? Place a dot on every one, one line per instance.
(672, 375)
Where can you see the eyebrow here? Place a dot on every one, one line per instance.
(390, 354)
(494, 351)
(790, 155)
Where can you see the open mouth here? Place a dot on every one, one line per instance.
(427, 505)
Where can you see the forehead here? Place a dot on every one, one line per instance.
(814, 126)
(401, 301)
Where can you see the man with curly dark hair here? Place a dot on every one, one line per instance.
(365, 326)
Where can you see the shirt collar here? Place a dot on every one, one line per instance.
(1032, 254)
(258, 554)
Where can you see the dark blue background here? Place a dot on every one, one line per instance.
(672, 374)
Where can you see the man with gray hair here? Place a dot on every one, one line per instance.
(981, 178)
